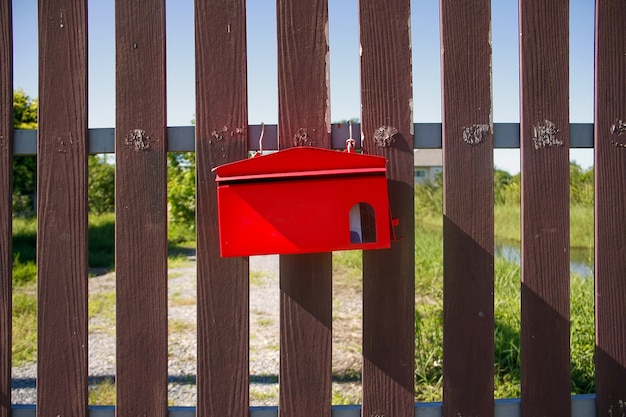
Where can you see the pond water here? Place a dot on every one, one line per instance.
(578, 259)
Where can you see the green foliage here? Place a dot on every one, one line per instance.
(581, 184)
(101, 174)
(102, 392)
(25, 238)
(101, 194)
(24, 166)
(506, 188)
(429, 290)
(429, 197)
(23, 272)
(24, 347)
(582, 335)
(181, 188)
(102, 241)
(24, 110)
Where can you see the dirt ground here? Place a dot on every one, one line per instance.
(264, 334)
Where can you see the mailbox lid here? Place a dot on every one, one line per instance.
(301, 162)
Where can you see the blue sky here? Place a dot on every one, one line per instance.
(344, 63)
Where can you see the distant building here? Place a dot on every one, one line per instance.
(427, 163)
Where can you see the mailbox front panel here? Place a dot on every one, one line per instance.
(303, 216)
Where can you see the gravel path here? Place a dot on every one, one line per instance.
(264, 339)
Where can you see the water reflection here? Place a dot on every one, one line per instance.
(577, 264)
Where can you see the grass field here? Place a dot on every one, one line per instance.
(429, 295)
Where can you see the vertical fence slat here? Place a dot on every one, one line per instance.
(62, 209)
(468, 208)
(221, 137)
(305, 280)
(141, 208)
(389, 275)
(610, 133)
(544, 132)
(6, 167)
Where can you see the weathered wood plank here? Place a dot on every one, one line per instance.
(305, 280)
(141, 208)
(62, 209)
(6, 167)
(221, 136)
(389, 275)
(544, 80)
(468, 209)
(610, 171)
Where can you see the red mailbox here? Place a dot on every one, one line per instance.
(303, 200)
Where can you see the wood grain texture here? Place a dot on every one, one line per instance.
(62, 209)
(305, 280)
(389, 274)
(544, 132)
(141, 209)
(221, 137)
(468, 208)
(610, 171)
(6, 168)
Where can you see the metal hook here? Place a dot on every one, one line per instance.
(350, 129)
(350, 142)
(260, 151)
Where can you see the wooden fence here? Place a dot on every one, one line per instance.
(141, 144)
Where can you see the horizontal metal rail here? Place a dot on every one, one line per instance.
(426, 136)
(582, 406)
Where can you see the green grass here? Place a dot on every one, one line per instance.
(103, 392)
(429, 337)
(24, 348)
(347, 272)
(507, 225)
(102, 241)
(101, 255)
(101, 235)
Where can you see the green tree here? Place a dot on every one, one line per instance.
(24, 110)
(506, 188)
(581, 184)
(24, 166)
(101, 193)
(181, 188)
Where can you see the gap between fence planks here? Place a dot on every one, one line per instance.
(221, 137)
(610, 233)
(6, 180)
(141, 209)
(305, 280)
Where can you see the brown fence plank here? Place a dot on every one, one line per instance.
(468, 208)
(221, 136)
(6, 167)
(141, 208)
(610, 132)
(544, 133)
(62, 209)
(389, 275)
(305, 280)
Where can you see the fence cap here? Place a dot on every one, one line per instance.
(303, 161)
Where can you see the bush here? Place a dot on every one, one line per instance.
(181, 188)
(101, 194)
